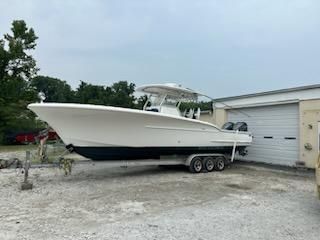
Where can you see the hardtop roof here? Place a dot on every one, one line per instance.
(170, 89)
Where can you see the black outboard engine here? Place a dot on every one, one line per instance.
(241, 126)
(228, 126)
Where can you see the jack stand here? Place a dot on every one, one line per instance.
(42, 150)
(66, 165)
(26, 185)
(234, 149)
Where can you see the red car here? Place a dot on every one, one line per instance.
(33, 136)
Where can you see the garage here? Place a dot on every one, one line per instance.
(284, 124)
(275, 131)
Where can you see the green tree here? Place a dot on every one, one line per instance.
(92, 94)
(141, 101)
(17, 67)
(55, 90)
(122, 94)
(202, 105)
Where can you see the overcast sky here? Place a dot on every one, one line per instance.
(222, 48)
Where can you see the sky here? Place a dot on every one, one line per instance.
(219, 47)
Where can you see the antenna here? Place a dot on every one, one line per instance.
(41, 97)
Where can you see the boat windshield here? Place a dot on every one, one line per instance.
(170, 102)
(155, 100)
(163, 100)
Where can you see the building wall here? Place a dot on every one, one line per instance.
(309, 118)
(219, 116)
(207, 117)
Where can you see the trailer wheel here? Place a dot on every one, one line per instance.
(196, 165)
(219, 163)
(209, 163)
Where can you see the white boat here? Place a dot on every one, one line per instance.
(160, 129)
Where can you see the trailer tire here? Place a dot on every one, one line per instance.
(209, 163)
(219, 163)
(196, 165)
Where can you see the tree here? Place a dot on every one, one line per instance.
(55, 90)
(20, 63)
(202, 105)
(122, 94)
(140, 102)
(17, 67)
(92, 94)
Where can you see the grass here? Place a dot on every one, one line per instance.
(12, 151)
(14, 148)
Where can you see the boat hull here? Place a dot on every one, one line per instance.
(111, 133)
(133, 153)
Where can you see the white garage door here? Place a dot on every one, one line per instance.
(275, 131)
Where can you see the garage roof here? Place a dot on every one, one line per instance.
(286, 90)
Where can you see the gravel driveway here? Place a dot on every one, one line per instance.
(96, 202)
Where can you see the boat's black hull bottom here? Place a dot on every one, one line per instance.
(133, 153)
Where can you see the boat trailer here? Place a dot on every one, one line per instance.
(196, 163)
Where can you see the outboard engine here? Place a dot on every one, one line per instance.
(241, 126)
(242, 151)
(228, 126)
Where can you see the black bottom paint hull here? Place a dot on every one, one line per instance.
(133, 153)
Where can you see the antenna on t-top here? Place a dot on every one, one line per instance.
(41, 97)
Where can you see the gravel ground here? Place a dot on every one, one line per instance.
(245, 201)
